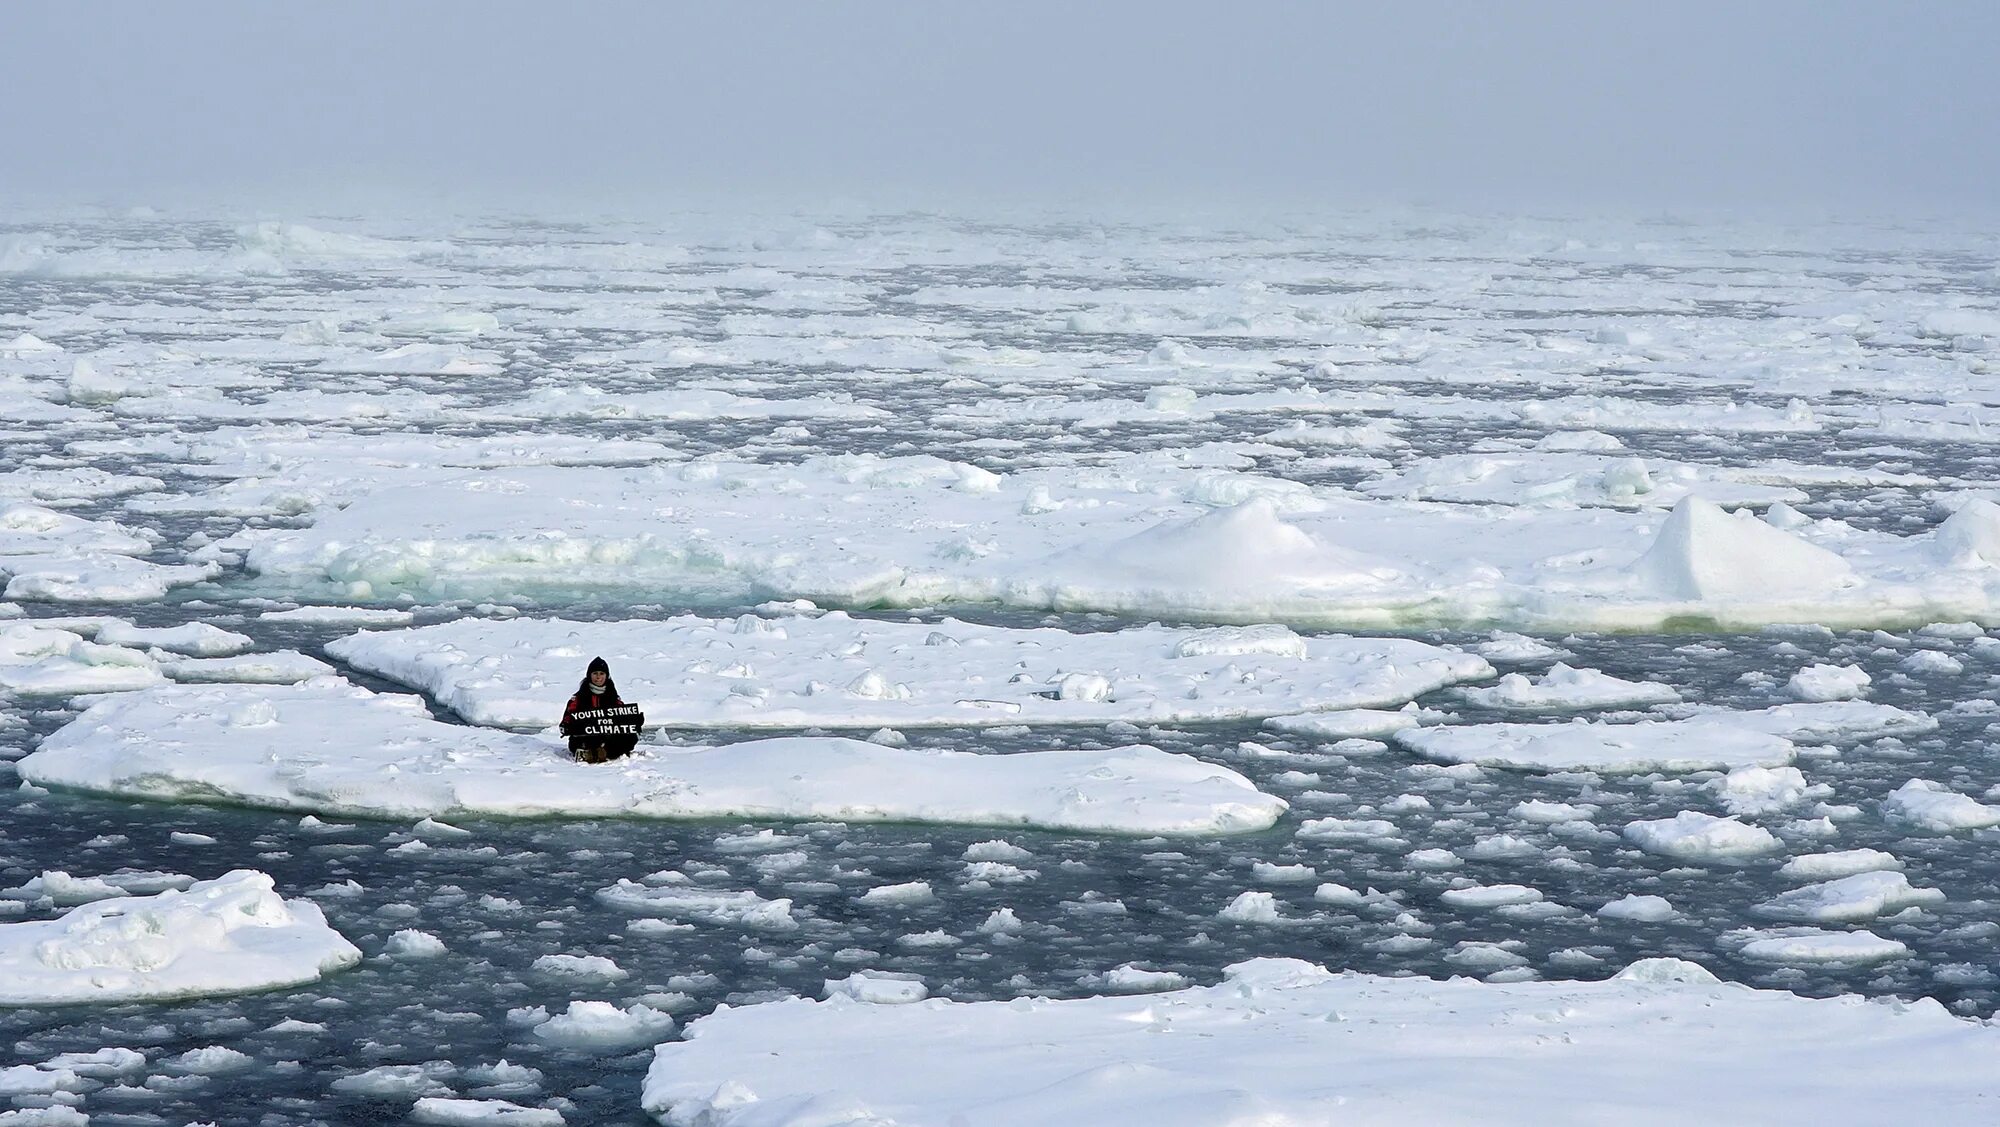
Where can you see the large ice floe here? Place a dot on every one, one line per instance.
(328, 746)
(1717, 740)
(1280, 1041)
(1140, 537)
(834, 670)
(229, 935)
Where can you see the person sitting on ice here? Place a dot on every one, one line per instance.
(595, 708)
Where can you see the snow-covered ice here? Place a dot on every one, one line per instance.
(224, 936)
(1694, 836)
(1851, 899)
(835, 670)
(1281, 1040)
(1712, 740)
(1565, 688)
(331, 747)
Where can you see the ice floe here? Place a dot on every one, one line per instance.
(1693, 836)
(1137, 540)
(1565, 688)
(1285, 1041)
(331, 747)
(1708, 740)
(1851, 899)
(1938, 808)
(834, 670)
(225, 936)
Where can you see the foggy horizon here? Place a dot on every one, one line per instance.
(1846, 108)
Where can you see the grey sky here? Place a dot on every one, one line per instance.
(1775, 105)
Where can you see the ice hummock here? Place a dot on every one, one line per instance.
(331, 747)
(229, 935)
(1284, 1041)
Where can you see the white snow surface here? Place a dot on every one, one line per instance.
(1138, 537)
(1693, 836)
(230, 935)
(1283, 1042)
(834, 670)
(1565, 688)
(1851, 899)
(1711, 740)
(331, 747)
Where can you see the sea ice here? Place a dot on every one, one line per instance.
(224, 936)
(834, 670)
(1281, 1040)
(1810, 947)
(1693, 836)
(1851, 899)
(1937, 808)
(331, 747)
(1565, 688)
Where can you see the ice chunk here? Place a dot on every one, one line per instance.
(1565, 688)
(1694, 836)
(1346, 724)
(1760, 790)
(1821, 866)
(1937, 808)
(224, 936)
(1851, 899)
(480, 1113)
(1807, 947)
(1828, 682)
(1490, 896)
(1639, 908)
(678, 900)
(1647, 745)
(601, 1026)
(410, 943)
(883, 988)
(580, 966)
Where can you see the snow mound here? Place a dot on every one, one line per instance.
(1703, 553)
(834, 670)
(229, 935)
(330, 747)
(1281, 1041)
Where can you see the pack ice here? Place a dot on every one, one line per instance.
(58, 557)
(1135, 538)
(833, 670)
(1281, 1041)
(328, 746)
(229, 935)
